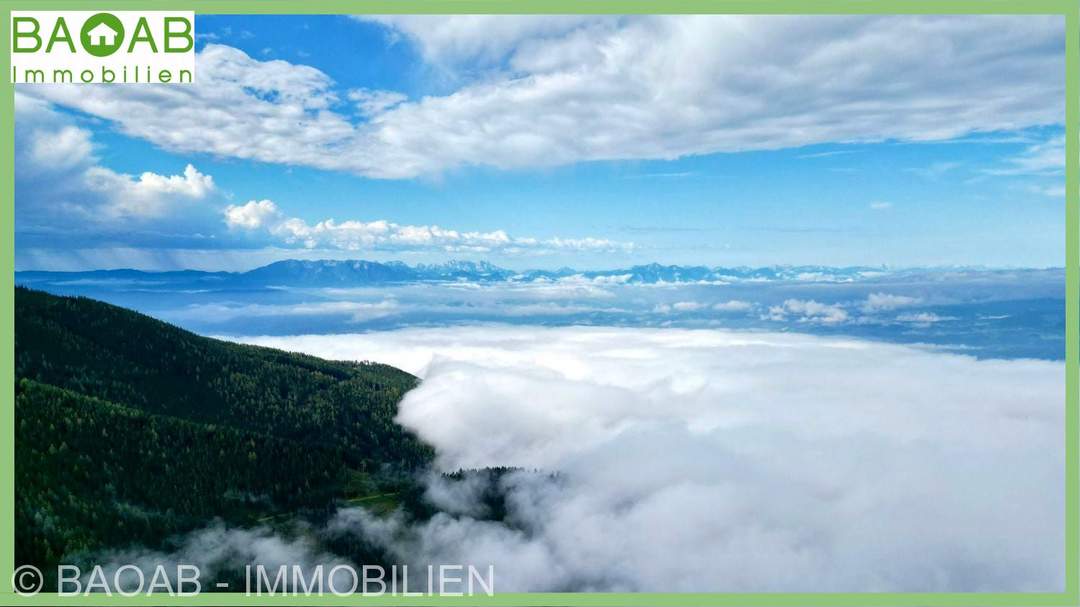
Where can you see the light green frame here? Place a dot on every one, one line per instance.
(1069, 9)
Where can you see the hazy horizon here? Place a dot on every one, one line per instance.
(541, 267)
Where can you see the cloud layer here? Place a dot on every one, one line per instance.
(543, 91)
(352, 235)
(714, 460)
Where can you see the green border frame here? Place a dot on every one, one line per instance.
(1069, 9)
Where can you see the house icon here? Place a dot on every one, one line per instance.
(102, 35)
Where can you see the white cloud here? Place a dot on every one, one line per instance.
(358, 311)
(1042, 162)
(808, 311)
(252, 215)
(192, 184)
(880, 205)
(733, 305)
(59, 172)
(935, 170)
(1046, 158)
(149, 195)
(61, 149)
(371, 102)
(542, 91)
(923, 318)
(680, 306)
(216, 551)
(484, 39)
(581, 280)
(1054, 191)
(688, 306)
(240, 107)
(354, 235)
(734, 461)
(47, 144)
(878, 302)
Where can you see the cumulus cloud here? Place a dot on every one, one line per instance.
(807, 310)
(542, 91)
(680, 306)
(252, 215)
(733, 305)
(729, 306)
(688, 306)
(58, 172)
(149, 195)
(879, 302)
(354, 235)
(715, 460)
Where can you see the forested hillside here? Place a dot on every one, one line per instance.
(129, 429)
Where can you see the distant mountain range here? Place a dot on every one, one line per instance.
(335, 273)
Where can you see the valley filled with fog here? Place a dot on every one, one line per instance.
(703, 459)
(879, 431)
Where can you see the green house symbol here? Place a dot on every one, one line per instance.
(102, 35)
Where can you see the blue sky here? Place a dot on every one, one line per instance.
(543, 142)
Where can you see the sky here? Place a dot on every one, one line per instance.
(549, 141)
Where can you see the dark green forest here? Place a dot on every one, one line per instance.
(129, 430)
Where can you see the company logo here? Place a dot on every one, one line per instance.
(102, 34)
(122, 47)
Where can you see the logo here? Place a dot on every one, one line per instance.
(122, 47)
(102, 35)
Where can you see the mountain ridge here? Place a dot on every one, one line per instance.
(330, 272)
(129, 429)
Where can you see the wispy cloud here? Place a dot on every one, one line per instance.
(1045, 159)
(674, 175)
(825, 154)
(1053, 191)
(935, 170)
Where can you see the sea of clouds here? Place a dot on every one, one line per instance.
(712, 460)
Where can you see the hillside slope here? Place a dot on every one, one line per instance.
(129, 429)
